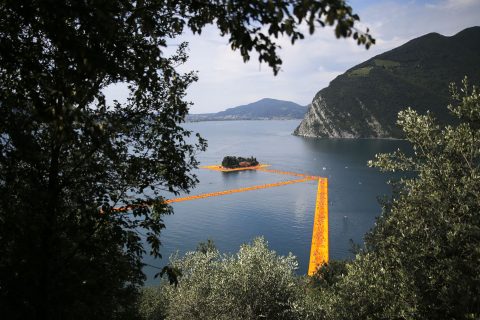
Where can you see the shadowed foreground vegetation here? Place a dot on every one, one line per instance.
(69, 155)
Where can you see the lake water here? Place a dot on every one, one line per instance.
(283, 215)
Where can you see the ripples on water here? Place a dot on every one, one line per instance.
(283, 215)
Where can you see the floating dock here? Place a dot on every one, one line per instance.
(319, 251)
(221, 193)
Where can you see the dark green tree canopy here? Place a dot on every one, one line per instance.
(67, 158)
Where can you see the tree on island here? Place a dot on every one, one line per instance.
(232, 162)
(67, 156)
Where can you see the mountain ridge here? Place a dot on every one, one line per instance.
(364, 101)
(263, 109)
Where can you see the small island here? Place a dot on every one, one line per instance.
(232, 162)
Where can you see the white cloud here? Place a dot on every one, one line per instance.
(308, 66)
(452, 4)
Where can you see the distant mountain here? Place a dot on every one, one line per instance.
(265, 109)
(364, 101)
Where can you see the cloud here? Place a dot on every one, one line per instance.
(309, 65)
(452, 4)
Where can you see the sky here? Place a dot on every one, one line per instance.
(308, 66)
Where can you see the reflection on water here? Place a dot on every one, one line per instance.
(284, 215)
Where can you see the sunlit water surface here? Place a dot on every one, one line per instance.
(283, 215)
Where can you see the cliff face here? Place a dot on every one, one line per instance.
(321, 122)
(364, 101)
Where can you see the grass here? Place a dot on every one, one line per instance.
(387, 64)
(360, 72)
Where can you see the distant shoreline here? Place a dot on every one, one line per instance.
(353, 138)
(266, 119)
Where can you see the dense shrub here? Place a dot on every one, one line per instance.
(254, 283)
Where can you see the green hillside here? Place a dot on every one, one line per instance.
(365, 100)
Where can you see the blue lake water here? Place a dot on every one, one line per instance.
(283, 215)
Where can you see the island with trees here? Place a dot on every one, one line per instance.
(232, 162)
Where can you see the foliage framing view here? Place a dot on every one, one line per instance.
(66, 157)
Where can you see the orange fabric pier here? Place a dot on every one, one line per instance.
(287, 173)
(221, 193)
(319, 248)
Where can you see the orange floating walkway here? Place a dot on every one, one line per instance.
(287, 173)
(221, 193)
(319, 249)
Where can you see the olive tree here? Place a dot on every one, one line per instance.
(251, 284)
(422, 259)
